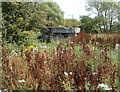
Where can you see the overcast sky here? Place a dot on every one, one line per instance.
(74, 8)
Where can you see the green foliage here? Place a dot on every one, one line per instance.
(106, 14)
(72, 23)
(15, 18)
(53, 13)
(88, 24)
(69, 68)
(20, 19)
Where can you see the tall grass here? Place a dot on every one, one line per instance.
(79, 63)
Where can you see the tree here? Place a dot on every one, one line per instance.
(88, 24)
(38, 19)
(95, 8)
(54, 14)
(72, 23)
(107, 13)
(21, 19)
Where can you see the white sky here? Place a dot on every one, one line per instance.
(74, 7)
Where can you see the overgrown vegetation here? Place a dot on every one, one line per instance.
(84, 62)
(21, 19)
(78, 63)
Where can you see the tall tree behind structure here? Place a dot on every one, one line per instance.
(21, 19)
(107, 13)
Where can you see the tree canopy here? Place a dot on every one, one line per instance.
(23, 18)
(107, 14)
(54, 14)
(20, 19)
(72, 23)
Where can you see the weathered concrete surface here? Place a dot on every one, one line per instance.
(64, 30)
(58, 33)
